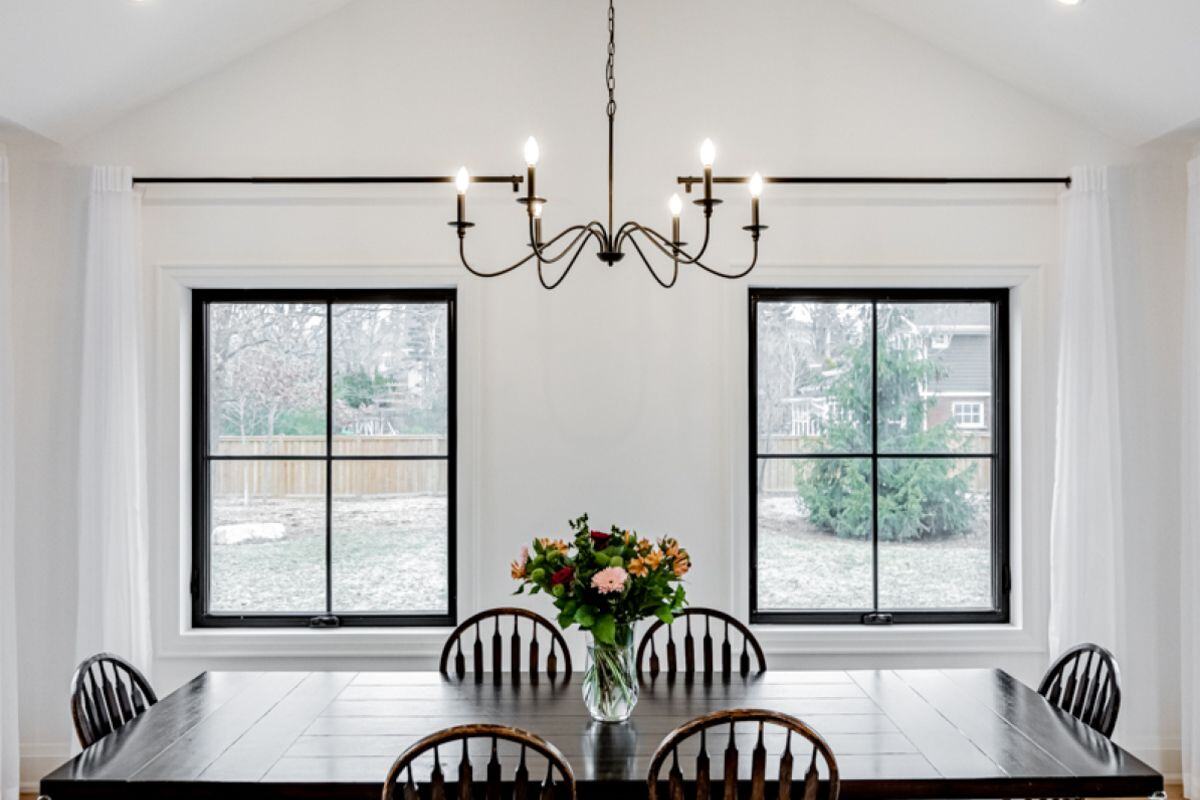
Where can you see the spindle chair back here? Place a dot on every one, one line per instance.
(1086, 683)
(708, 620)
(557, 663)
(107, 692)
(401, 785)
(732, 760)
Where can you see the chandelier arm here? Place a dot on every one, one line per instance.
(570, 264)
(654, 236)
(663, 243)
(462, 256)
(736, 275)
(650, 267)
(580, 230)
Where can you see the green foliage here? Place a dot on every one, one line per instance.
(918, 498)
(651, 585)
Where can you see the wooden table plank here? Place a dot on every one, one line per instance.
(252, 755)
(201, 745)
(118, 756)
(920, 734)
(951, 753)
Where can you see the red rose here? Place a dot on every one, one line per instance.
(562, 576)
(600, 539)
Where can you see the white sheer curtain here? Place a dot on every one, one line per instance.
(1086, 578)
(114, 588)
(1190, 474)
(10, 761)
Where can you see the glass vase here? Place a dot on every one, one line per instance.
(610, 686)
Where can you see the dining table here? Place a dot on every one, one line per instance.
(927, 733)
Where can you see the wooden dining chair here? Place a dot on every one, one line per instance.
(400, 782)
(107, 692)
(731, 759)
(557, 657)
(723, 622)
(1086, 683)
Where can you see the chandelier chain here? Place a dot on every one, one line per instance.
(610, 75)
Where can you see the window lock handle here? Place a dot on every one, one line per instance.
(325, 621)
(877, 618)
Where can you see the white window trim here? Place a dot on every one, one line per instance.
(170, 443)
(1031, 462)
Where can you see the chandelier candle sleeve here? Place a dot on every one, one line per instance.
(676, 206)
(532, 152)
(708, 154)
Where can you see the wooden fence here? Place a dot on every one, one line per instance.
(779, 474)
(277, 479)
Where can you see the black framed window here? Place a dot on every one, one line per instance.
(878, 456)
(323, 457)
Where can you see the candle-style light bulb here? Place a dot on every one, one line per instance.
(537, 210)
(531, 152)
(708, 153)
(531, 159)
(756, 185)
(676, 206)
(462, 182)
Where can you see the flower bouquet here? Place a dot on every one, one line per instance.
(605, 583)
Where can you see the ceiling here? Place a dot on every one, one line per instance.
(1131, 69)
(69, 66)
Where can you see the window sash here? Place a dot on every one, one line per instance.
(202, 459)
(998, 456)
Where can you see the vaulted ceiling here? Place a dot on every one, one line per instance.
(1130, 69)
(69, 66)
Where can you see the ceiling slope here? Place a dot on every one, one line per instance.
(69, 66)
(1131, 69)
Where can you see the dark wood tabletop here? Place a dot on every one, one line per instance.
(896, 733)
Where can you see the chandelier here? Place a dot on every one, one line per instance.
(611, 241)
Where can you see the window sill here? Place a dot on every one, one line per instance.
(392, 643)
(896, 639)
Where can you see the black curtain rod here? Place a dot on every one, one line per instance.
(514, 180)
(689, 181)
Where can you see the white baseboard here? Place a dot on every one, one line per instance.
(38, 759)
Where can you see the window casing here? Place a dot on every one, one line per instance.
(973, 473)
(353, 484)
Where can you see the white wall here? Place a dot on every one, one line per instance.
(657, 439)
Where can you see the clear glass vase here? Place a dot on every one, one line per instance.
(610, 686)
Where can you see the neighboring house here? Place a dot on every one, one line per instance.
(963, 389)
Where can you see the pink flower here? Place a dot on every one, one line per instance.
(610, 580)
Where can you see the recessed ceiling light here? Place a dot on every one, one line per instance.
(1070, 2)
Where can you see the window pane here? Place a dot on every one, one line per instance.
(814, 534)
(267, 537)
(935, 539)
(390, 537)
(266, 367)
(390, 378)
(814, 377)
(935, 377)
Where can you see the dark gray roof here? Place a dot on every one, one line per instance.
(966, 365)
